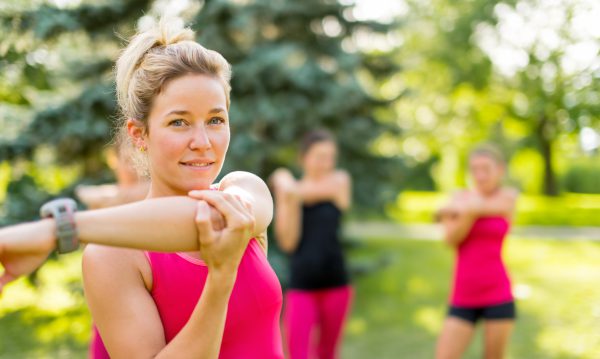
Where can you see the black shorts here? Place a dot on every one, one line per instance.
(493, 312)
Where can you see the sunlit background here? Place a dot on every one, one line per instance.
(408, 87)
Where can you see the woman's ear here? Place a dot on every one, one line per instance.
(137, 132)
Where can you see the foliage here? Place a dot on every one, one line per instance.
(569, 209)
(522, 74)
(291, 75)
(583, 177)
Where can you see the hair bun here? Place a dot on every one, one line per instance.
(170, 32)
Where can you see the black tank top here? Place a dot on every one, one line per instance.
(318, 262)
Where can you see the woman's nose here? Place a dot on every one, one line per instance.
(200, 139)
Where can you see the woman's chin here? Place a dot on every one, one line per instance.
(200, 185)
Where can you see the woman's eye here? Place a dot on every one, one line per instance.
(177, 123)
(216, 121)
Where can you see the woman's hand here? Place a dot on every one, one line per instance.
(222, 249)
(24, 248)
(284, 183)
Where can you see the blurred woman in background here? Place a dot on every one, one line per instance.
(476, 223)
(308, 215)
(129, 186)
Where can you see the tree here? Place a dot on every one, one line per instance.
(446, 79)
(555, 71)
(291, 74)
(60, 60)
(476, 71)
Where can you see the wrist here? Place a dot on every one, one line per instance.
(48, 228)
(62, 212)
(222, 278)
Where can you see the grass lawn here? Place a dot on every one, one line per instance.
(397, 313)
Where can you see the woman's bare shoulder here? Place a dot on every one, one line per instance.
(117, 264)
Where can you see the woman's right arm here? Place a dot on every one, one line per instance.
(141, 225)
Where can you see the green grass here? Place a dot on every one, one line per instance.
(570, 209)
(397, 312)
(49, 320)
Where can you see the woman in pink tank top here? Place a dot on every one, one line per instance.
(225, 300)
(476, 223)
(222, 301)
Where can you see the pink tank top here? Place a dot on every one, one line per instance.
(480, 276)
(252, 323)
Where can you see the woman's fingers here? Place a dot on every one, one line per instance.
(216, 219)
(203, 222)
(237, 215)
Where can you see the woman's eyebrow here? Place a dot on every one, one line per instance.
(177, 112)
(184, 112)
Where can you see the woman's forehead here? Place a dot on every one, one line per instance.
(191, 93)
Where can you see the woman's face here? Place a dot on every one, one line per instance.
(320, 158)
(486, 172)
(188, 135)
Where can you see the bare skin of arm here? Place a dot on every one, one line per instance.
(124, 312)
(336, 187)
(456, 220)
(253, 191)
(458, 216)
(161, 224)
(500, 204)
(110, 195)
(290, 194)
(288, 213)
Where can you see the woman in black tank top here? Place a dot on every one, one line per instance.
(307, 224)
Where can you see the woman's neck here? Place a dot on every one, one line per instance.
(157, 191)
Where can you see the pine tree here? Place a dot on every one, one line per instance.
(293, 73)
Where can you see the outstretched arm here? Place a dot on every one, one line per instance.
(141, 225)
(161, 224)
(336, 188)
(500, 204)
(458, 216)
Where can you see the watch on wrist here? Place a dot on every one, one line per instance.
(63, 210)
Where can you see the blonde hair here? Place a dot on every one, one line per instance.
(152, 59)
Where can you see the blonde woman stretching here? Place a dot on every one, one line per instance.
(222, 299)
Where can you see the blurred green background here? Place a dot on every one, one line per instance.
(407, 86)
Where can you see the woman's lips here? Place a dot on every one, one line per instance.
(197, 165)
